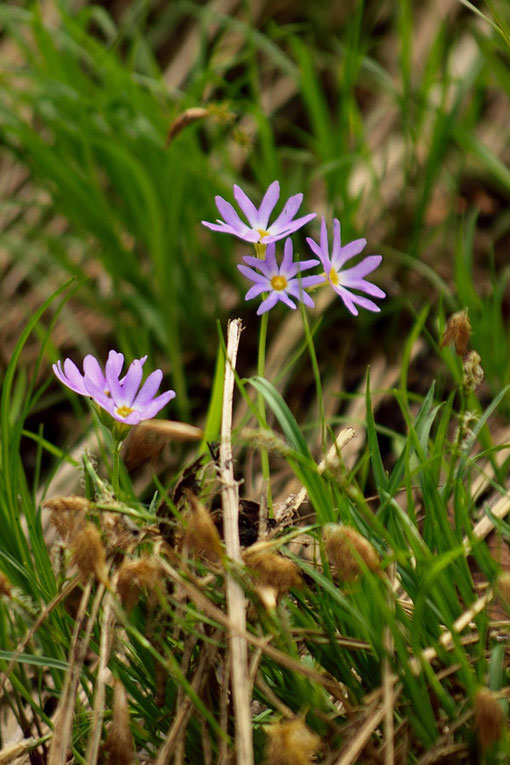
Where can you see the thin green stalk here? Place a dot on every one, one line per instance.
(261, 363)
(316, 375)
(116, 467)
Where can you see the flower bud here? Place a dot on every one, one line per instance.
(347, 549)
(489, 718)
(458, 330)
(88, 553)
(290, 743)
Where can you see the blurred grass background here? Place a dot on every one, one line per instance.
(392, 117)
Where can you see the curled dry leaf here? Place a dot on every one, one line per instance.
(146, 440)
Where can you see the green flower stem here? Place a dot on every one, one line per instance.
(261, 405)
(316, 374)
(116, 466)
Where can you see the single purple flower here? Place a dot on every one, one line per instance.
(348, 279)
(280, 282)
(122, 398)
(258, 228)
(71, 376)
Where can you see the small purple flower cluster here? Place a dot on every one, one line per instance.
(128, 403)
(284, 282)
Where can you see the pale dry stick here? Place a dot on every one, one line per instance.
(235, 594)
(35, 626)
(108, 623)
(330, 462)
(273, 699)
(486, 525)
(351, 753)
(185, 708)
(13, 752)
(62, 727)
(446, 639)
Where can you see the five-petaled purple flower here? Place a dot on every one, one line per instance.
(343, 281)
(281, 281)
(258, 228)
(122, 398)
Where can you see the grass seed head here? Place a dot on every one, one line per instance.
(489, 718)
(119, 743)
(134, 577)
(202, 536)
(458, 330)
(5, 585)
(88, 553)
(345, 547)
(290, 743)
(67, 514)
(504, 588)
(272, 569)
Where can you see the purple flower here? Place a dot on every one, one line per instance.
(258, 229)
(279, 282)
(348, 279)
(122, 398)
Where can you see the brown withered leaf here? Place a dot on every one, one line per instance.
(146, 440)
(185, 118)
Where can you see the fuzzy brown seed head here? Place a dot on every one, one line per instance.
(504, 588)
(261, 438)
(134, 577)
(473, 371)
(272, 569)
(88, 553)
(67, 514)
(489, 718)
(5, 585)
(201, 534)
(290, 743)
(345, 547)
(458, 330)
(119, 743)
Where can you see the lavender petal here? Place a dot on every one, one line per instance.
(257, 290)
(93, 371)
(268, 303)
(292, 205)
(131, 384)
(253, 275)
(246, 206)
(148, 389)
(267, 205)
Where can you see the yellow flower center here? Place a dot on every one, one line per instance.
(123, 411)
(278, 283)
(263, 232)
(333, 277)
